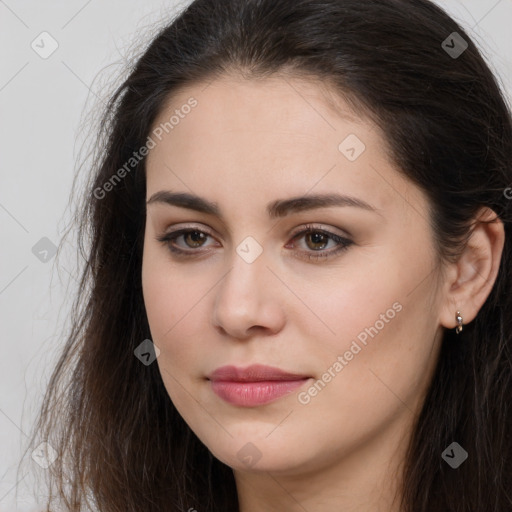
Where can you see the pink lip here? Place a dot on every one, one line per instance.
(254, 385)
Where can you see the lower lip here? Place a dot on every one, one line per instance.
(250, 394)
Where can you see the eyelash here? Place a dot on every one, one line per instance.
(345, 243)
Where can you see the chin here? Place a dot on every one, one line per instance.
(259, 455)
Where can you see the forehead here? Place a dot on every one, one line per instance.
(305, 107)
(269, 134)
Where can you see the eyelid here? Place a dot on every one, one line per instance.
(319, 227)
(193, 227)
(308, 226)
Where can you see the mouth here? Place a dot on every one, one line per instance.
(254, 385)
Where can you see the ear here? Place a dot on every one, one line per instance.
(469, 281)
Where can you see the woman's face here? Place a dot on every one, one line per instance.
(356, 320)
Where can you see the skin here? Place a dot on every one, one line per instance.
(248, 143)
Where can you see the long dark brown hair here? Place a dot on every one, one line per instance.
(122, 446)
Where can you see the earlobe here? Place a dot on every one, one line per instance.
(472, 277)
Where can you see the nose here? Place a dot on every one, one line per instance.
(249, 300)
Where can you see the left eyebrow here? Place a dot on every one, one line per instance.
(276, 209)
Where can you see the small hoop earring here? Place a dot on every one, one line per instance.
(458, 318)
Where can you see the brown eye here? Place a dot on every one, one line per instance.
(196, 238)
(192, 239)
(318, 240)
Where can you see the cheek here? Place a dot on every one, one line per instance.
(167, 316)
(344, 307)
(174, 299)
(158, 299)
(164, 288)
(384, 369)
(379, 295)
(378, 319)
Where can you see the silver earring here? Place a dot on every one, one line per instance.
(458, 317)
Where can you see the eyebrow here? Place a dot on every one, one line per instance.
(275, 209)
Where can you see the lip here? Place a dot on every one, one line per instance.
(253, 373)
(255, 385)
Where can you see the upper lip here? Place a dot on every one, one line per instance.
(253, 373)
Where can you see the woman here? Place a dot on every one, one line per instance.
(295, 295)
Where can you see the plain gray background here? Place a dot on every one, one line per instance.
(44, 105)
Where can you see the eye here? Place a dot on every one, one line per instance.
(316, 240)
(193, 238)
